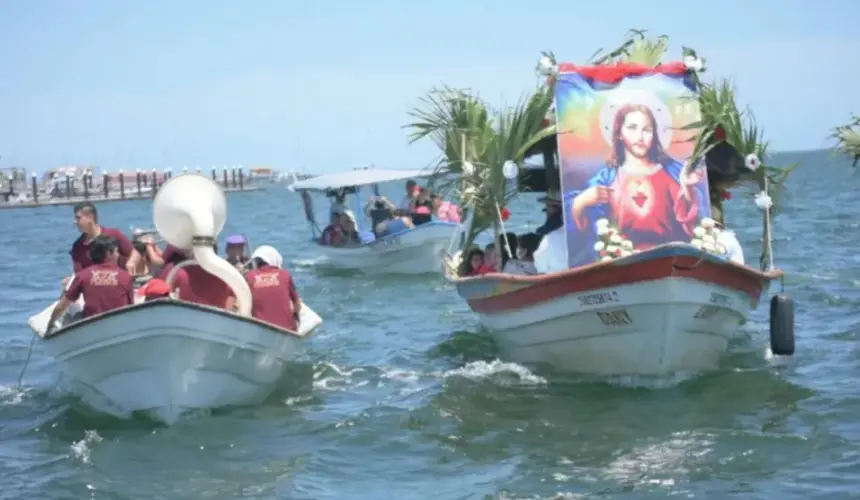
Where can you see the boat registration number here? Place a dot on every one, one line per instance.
(615, 318)
(598, 299)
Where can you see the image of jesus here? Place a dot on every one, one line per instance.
(641, 189)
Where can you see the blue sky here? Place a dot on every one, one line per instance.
(326, 85)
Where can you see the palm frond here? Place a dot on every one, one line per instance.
(847, 138)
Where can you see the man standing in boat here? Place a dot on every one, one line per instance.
(554, 219)
(104, 285)
(86, 220)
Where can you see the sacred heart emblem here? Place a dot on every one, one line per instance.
(640, 198)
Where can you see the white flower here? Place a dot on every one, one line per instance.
(616, 239)
(697, 243)
(602, 223)
(599, 246)
(708, 223)
(752, 162)
(626, 253)
(546, 67)
(708, 239)
(693, 63)
(612, 248)
(708, 247)
(720, 249)
(605, 259)
(627, 245)
(715, 232)
(763, 201)
(699, 232)
(602, 231)
(468, 168)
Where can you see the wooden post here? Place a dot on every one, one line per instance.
(214, 175)
(138, 183)
(241, 180)
(121, 185)
(35, 186)
(226, 184)
(106, 184)
(154, 182)
(233, 173)
(86, 186)
(68, 186)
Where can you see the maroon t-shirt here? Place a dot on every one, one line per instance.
(198, 286)
(81, 249)
(104, 286)
(273, 293)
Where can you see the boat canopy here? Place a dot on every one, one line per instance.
(354, 178)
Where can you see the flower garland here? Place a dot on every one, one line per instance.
(611, 243)
(706, 237)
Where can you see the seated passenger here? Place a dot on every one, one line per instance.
(349, 226)
(444, 210)
(475, 265)
(421, 209)
(525, 261)
(385, 218)
(236, 251)
(273, 292)
(193, 284)
(491, 256)
(333, 233)
(104, 285)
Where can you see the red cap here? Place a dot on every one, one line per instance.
(156, 288)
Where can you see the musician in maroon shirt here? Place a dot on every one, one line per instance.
(104, 285)
(86, 220)
(194, 283)
(273, 292)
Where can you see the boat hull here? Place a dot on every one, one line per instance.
(166, 358)
(668, 310)
(417, 251)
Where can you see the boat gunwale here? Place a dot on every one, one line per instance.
(680, 250)
(173, 302)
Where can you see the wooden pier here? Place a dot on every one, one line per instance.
(138, 185)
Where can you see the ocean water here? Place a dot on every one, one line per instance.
(399, 396)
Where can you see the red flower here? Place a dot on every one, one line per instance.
(506, 214)
(603, 253)
(725, 195)
(720, 134)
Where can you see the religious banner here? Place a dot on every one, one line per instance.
(627, 178)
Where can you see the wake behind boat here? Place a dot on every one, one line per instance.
(403, 247)
(165, 357)
(639, 279)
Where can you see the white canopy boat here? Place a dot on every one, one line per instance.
(166, 357)
(412, 251)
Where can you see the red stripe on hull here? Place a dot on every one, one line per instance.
(597, 277)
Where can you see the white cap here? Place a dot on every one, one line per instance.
(269, 255)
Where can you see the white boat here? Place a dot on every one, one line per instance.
(667, 310)
(412, 251)
(167, 357)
